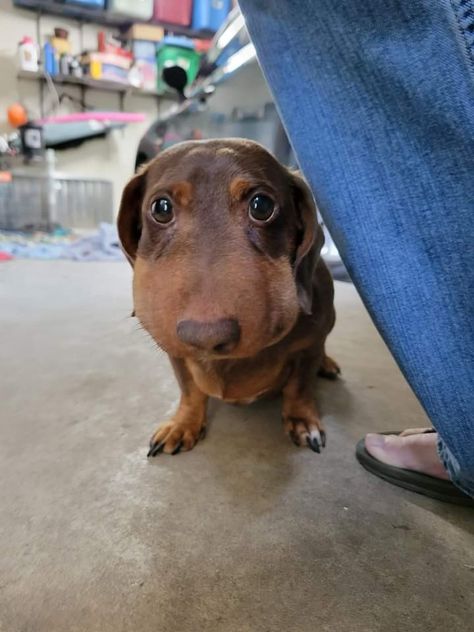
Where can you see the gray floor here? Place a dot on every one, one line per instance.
(245, 533)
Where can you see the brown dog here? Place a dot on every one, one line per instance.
(225, 246)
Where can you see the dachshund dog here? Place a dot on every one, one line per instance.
(228, 280)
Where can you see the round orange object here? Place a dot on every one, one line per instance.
(17, 115)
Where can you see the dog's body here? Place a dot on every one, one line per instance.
(227, 279)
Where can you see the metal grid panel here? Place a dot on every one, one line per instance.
(42, 202)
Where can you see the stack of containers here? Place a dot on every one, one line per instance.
(144, 54)
(144, 39)
(110, 62)
(200, 15)
(208, 15)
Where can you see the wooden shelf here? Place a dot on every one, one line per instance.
(95, 84)
(100, 16)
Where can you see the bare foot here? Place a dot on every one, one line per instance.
(410, 451)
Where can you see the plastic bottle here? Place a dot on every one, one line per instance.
(28, 55)
(64, 64)
(50, 63)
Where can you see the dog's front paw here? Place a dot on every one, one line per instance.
(329, 369)
(176, 435)
(305, 430)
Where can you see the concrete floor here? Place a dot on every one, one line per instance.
(246, 533)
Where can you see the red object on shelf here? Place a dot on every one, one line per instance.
(101, 41)
(109, 45)
(202, 45)
(172, 12)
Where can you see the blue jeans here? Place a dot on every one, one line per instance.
(377, 98)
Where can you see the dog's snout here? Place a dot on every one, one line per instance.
(218, 336)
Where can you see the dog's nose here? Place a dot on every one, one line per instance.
(219, 336)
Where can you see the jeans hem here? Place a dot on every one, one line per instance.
(452, 467)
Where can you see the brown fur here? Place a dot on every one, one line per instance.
(214, 264)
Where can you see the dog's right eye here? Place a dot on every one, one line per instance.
(162, 210)
(261, 208)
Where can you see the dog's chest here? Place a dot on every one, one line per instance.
(239, 381)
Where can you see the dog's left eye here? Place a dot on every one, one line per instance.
(162, 210)
(261, 208)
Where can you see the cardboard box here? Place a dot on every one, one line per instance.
(148, 32)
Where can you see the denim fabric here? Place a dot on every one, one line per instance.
(378, 101)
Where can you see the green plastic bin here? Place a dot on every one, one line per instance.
(176, 51)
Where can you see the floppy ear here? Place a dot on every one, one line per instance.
(129, 217)
(310, 242)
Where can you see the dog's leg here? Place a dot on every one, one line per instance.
(188, 425)
(329, 368)
(300, 416)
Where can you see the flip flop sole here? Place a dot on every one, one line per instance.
(430, 486)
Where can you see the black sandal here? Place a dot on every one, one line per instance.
(424, 484)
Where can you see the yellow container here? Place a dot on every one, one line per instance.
(95, 69)
(62, 46)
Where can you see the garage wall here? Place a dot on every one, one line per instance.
(111, 158)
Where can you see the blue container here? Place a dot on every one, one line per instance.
(50, 62)
(208, 15)
(93, 4)
(175, 40)
(142, 49)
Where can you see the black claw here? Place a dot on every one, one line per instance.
(329, 375)
(323, 438)
(313, 444)
(177, 448)
(156, 449)
(202, 434)
(294, 438)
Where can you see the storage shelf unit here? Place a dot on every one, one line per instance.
(98, 16)
(95, 84)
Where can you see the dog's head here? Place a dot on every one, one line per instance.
(223, 240)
